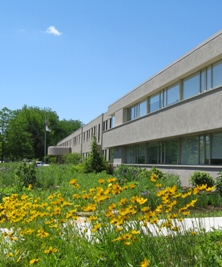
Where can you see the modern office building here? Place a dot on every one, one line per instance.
(172, 121)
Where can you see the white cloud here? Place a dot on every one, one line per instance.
(53, 30)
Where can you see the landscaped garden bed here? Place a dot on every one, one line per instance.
(41, 221)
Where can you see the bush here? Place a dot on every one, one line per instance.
(126, 174)
(95, 162)
(25, 175)
(201, 178)
(72, 158)
(218, 183)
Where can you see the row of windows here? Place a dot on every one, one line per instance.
(88, 135)
(109, 123)
(195, 150)
(204, 80)
(94, 131)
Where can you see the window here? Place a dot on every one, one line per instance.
(189, 150)
(171, 152)
(98, 133)
(143, 108)
(155, 102)
(216, 153)
(217, 74)
(141, 154)
(203, 81)
(137, 110)
(113, 121)
(191, 86)
(207, 149)
(130, 155)
(172, 95)
(153, 153)
(209, 78)
(136, 154)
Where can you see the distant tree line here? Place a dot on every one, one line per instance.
(22, 132)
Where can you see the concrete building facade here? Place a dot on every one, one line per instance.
(172, 121)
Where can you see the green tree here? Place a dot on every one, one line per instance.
(95, 162)
(65, 128)
(26, 133)
(5, 116)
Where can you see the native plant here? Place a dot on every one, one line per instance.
(201, 178)
(72, 158)
(95, 162)
(25, 175)
(218, 183)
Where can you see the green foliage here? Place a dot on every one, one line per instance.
(25, 175)
(201, 178)
(79, 168)
(46, 212)
(50, 159)
(209, 249)
(95, 162)
(72, 158)
(157, 172)
(126, 174)
(22, 132)
(218, 183)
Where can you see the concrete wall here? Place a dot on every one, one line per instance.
(198, 114)
(201, 56)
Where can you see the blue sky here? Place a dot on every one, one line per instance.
(77, 57)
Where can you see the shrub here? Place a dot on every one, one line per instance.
(126, 174)
(72, 158)
(95, 162)
(201, 178)
(218, 183)
(25, 175)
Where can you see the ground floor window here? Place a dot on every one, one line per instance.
(192, 150)
(216, 152)
(189, 150)
(171, 152)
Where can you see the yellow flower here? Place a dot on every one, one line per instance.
(134, 232)
(186, 194)
(153, 178)
(144, 263)
(145, 209)
(30, 187)
(111, 180)
(85, 196)
(76, 196)
(101, 181)
(50, 250)
(132, 186)
(42, 234)
(66, 203)
(93, 218)
(123, 201)
(33, 261)
(192, 203)
(209, 189)
(73, 182)
(141, 200)
(96, 227)
(90, 207)
(193, 233)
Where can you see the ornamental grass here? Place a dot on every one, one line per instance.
(106, 225)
